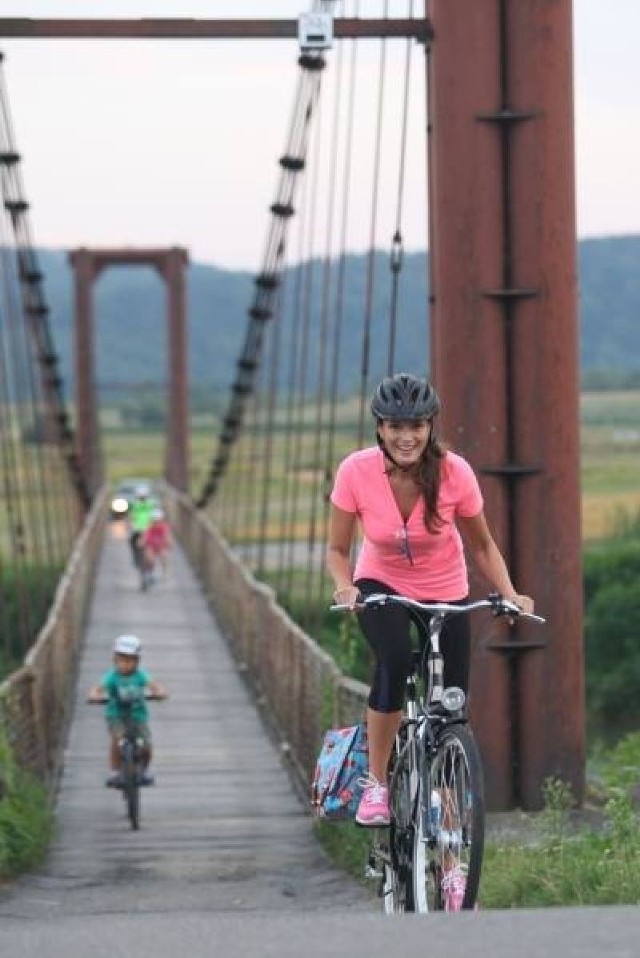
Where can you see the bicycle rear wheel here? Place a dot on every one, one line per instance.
(396, 875)
(451, 835)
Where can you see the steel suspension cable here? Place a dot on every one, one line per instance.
(13, 492)
(300, 424)
(31, 491)
(263, 402)
(315, 562)
(294, 365)
(249, 362)
(397, 247)
(267, 282)
(368, 309)
(329, 465)
(35, 305)
(269, 432)
(260, 314)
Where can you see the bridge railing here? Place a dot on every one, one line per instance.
(35, 700)
(295, 682)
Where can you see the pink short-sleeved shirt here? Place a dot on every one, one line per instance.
(406, 556)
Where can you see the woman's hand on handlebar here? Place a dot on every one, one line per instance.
(349, 596)
(524, 602)
(524, 605)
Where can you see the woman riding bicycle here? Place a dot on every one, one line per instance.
(413, 499)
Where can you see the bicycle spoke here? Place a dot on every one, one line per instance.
(450, 827)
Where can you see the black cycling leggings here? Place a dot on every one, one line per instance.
(386, 629)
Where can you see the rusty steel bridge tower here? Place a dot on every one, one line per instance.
(170, 264)
(504, 341)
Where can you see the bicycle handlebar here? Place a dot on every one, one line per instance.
(495, 602)
(148, 698)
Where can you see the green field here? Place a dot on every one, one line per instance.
(610, 461)
(610, 464)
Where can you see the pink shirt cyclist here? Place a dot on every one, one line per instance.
(401, 551)
(412, 500)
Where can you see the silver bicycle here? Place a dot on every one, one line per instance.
(436, 790)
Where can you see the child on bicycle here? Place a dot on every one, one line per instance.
(413, 499)
(140, 518)
(126, 682)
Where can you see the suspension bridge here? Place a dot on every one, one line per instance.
(497, 332)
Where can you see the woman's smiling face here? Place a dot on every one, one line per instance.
(405, 439)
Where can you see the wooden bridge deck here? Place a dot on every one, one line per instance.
(223, 828)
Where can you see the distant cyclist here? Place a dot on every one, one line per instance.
(140, 518)
(157, 539)
(126, 682)
(413, 498)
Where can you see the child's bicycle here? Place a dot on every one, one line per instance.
(435, 842)
(132, 759)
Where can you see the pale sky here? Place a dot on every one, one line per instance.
(177, 142)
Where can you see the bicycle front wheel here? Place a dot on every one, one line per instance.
(449, 840)
(396, 880)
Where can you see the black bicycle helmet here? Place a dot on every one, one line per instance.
(405, 397)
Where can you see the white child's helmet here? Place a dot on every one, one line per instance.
(127, 645)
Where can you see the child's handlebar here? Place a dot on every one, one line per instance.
(103, 699)
(497, 603)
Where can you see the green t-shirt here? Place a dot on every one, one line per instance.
(126, 688)
(141, 514)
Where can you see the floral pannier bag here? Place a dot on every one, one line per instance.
(343, 761)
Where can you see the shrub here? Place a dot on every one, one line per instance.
(613, 655)
(611, 562)
(33, 587)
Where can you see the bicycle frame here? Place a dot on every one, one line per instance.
(131, 749)
(436, 773)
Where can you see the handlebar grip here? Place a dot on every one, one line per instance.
(506, 607)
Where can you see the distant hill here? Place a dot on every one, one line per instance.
(131, 333)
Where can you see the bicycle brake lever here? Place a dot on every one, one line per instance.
(376, 598)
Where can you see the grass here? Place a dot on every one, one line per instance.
(26, 819)
(561, 864)
(550, 860)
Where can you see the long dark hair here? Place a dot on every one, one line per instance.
(428, 477)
